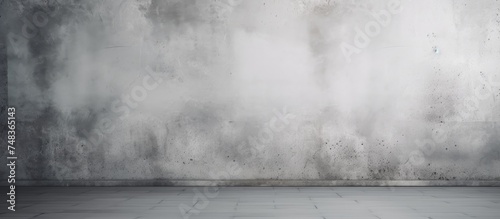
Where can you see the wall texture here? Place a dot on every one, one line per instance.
(176, 92)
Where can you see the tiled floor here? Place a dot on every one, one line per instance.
(257, 202)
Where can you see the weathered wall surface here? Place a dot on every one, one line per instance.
(267, 90)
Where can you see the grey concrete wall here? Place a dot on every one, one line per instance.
(254, 91)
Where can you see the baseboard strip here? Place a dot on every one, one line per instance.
(263, 182)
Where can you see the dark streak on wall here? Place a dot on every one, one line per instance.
(3, 93)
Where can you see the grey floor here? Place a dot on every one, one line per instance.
(257, 202)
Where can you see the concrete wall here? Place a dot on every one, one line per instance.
(254, 91)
